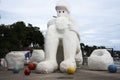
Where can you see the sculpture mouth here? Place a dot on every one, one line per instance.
(60, 30)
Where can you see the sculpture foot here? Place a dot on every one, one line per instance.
(66, 64)
(46, 67)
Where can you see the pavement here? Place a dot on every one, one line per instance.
(80, 74)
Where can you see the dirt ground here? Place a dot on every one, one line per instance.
(80, 74)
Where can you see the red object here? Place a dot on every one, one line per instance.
(27, 72)
(31, 66)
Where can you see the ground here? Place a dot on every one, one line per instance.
(81, 74)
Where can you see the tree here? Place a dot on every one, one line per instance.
(89, 49)
(19, 31)
(18, 35)
(33, 35)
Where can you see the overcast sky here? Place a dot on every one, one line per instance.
(98, 20)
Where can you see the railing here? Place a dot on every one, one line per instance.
(117, 62)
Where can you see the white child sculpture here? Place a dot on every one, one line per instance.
(62, 28)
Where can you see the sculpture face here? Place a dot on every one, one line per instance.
(62, 23)
(62, 12)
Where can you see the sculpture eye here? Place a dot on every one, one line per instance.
(59, 11)
(63, 11)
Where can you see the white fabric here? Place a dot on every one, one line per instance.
(37, 56)
(16, 58)
(100, 59)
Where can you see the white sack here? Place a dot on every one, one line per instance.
(15, 58)
(100, 59)
(37, 56)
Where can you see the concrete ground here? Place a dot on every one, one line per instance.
(81, 74)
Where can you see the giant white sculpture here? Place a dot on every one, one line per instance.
(100, 59)
(61, 30)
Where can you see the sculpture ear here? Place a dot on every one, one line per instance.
(55, 16)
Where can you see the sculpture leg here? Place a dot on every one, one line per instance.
(51, 44)
(70, 42)
(78, 57)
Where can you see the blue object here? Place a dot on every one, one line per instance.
(27, 55)
(16, 69)
(112, 68)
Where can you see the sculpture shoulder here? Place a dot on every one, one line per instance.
(51, 22)
(74, 27)
(72, 20)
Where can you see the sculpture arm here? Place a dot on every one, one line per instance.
(73, 27)
(50, 22)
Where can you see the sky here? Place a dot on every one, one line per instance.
(98, 20)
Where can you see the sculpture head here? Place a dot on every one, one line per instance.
(62, 9)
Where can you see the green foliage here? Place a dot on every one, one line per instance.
(89, 49)
(17, 36)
